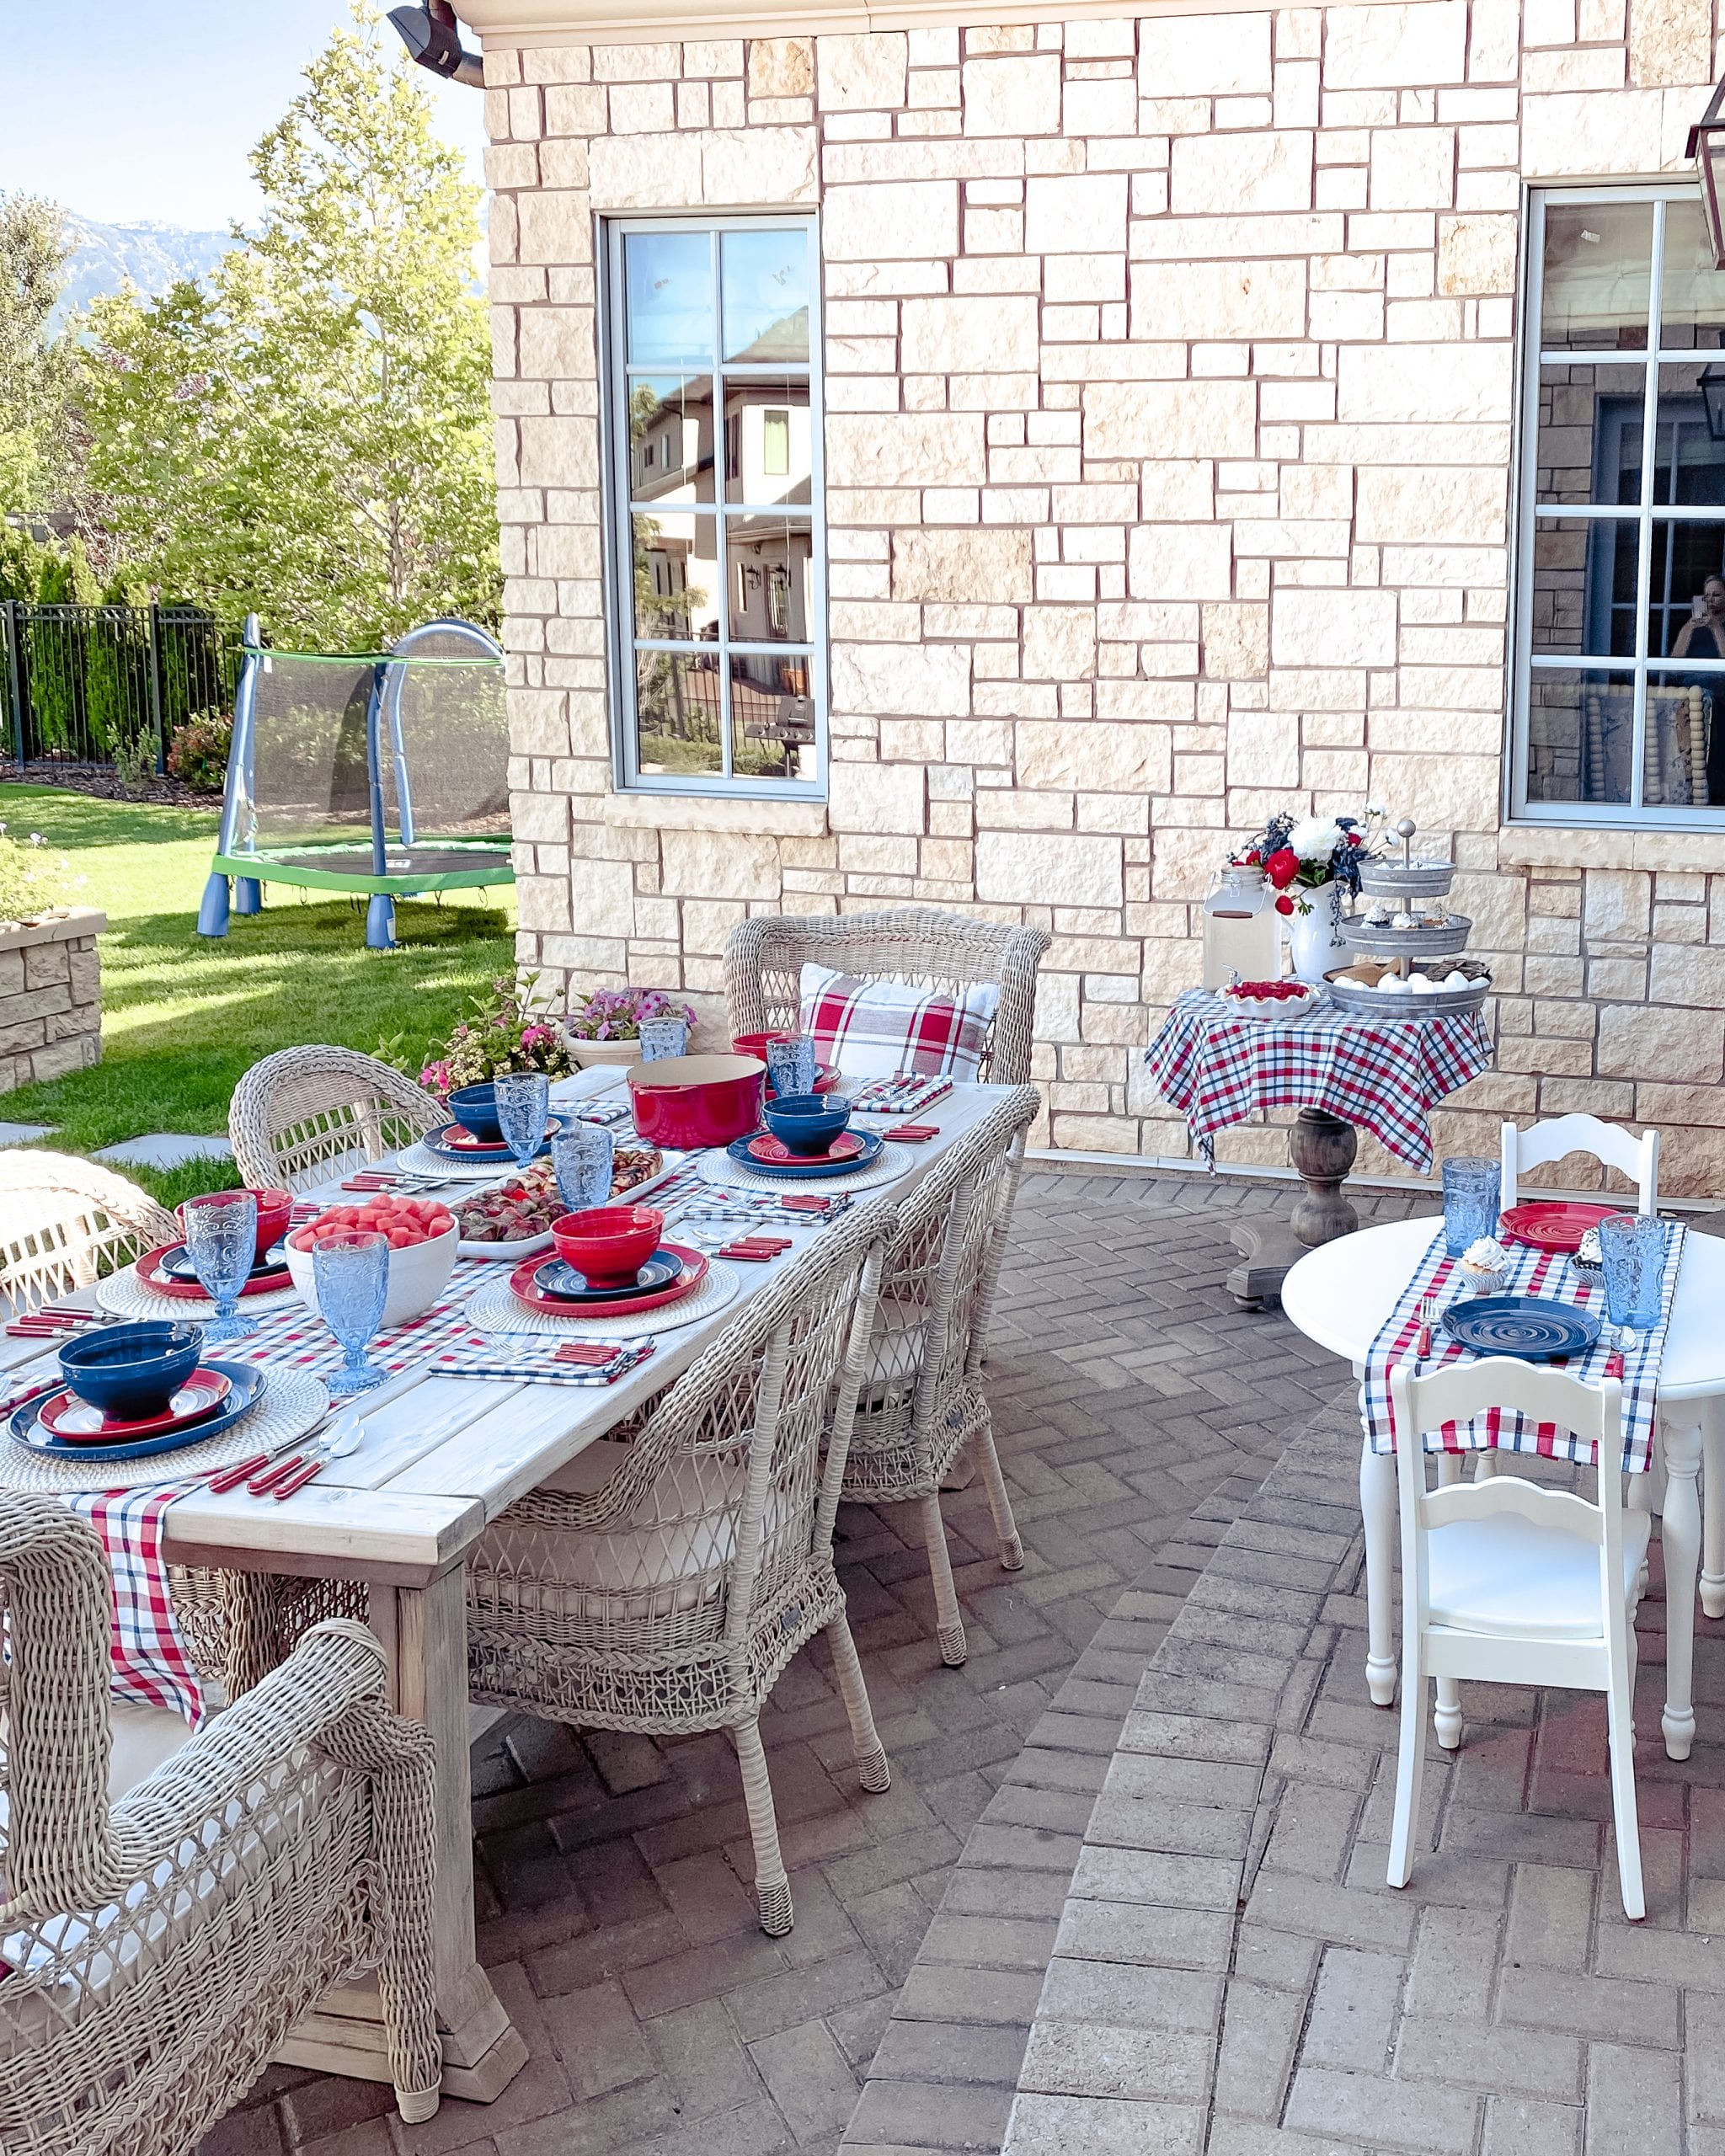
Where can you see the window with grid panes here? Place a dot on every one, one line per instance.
(1620, 623)
(719, 589)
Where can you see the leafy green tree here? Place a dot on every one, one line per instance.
(310, 435)
(37, 370)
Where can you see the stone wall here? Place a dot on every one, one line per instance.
(51, 998)
(1170, 378)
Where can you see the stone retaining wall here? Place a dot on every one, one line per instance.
(1171, 377)
(51, 998)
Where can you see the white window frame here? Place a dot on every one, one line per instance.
(1633, 814)
(620, 641)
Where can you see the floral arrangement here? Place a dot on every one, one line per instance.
(1299, 854)
(31, 883)
(507, 1031)
(615, 1014)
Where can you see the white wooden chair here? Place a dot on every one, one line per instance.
(1510, 1582)
(1638, 1158)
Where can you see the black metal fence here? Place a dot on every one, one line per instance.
(109, 684)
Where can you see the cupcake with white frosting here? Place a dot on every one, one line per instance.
(1483, 1265)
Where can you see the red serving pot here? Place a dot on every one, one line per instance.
(690, 1101)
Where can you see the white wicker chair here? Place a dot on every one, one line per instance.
(64, 1222)
(764, 959)
(922, 1402)
(305, 1115)
(669, 1600)
(162, 1942)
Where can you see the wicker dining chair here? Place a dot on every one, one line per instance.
(764, 958)
(922, 1402)
(669, 1599)
(305, 1115)
(161, 1942)
(64, 1222)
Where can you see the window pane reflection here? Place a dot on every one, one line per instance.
(766, 442)
(1685, 595)
(671, 437)
(1584, 586)
(667, 281)
(1691, 290)
(1580, 735)
(766, 296)
(1683, 764)
(1598, 276)
(773, 713)
(677, 577)
(1689, 464)
(771, 565)
(1590, 433)
(678, 712)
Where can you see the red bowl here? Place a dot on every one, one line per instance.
(691, 1100)
(609, 1243)
(275, 1211)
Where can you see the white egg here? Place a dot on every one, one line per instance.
(1393, 985)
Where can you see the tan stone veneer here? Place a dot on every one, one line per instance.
(51, 997)
(1171, 381)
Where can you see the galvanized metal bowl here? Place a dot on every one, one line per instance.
(1406, 943)
(1394, 880)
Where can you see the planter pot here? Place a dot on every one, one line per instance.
(1314, 937)
(51, 995)
(582, 1053)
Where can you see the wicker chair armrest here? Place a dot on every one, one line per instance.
(330, 1692)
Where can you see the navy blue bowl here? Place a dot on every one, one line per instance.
(475, 1108)
(130, 1371)
(807, 1122)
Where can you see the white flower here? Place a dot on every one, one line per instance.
(1314, 838)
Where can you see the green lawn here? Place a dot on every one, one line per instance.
(184, 1016)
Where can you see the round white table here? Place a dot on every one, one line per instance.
(1340, 1296)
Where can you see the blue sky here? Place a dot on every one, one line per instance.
(127, 110)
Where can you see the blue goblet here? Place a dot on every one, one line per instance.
(523, 1110)
(350, 1277)
(790, 1064)
(582, 1157)
(221, 1241)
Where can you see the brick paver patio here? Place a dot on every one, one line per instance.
(1138, 1409)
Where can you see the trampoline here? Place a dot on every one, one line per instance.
(379, 774)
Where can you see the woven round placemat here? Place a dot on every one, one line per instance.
(493, 1308)
(420, 1160)
(291, 1403)
(125, 1295)
(888, 1165)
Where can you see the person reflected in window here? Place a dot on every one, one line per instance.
(1702, 636)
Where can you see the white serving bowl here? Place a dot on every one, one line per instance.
(417, 1276)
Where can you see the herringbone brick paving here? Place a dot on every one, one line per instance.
(1137, 1411)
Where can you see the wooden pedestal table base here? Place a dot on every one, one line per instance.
(1322, 1148)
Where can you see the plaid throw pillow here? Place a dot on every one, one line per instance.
(876, 1028)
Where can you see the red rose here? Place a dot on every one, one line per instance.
(1284, 904)
(1282, 867)
(1356, 838)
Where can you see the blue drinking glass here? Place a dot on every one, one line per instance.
(221, 1241)
(1472, 1187)
(350, 1278)
(523, 1110)
(582, 1155)
(663, 1037)
(1632, 1249)
(790, 1064)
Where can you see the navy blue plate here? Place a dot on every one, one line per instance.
(246, 1377)
(800, 1170)
(1529, 1327)
(177, 1264)
(502, 1158)
(557, 1277)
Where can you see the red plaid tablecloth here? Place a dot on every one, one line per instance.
(1547, 1273)
(1383, 1077)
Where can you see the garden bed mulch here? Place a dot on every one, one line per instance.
(106, 784)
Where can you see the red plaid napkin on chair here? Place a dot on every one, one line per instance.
(151, 1665)
(1545, 1273)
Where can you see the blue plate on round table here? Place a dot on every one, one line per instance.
(1529, 1327)
(246, 1379)
(800, 1170)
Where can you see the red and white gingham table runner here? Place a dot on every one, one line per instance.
(1383, 1076)
(1546, 1273)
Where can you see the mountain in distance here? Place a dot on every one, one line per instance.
(152, 255)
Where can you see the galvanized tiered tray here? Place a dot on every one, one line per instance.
(1403, 883)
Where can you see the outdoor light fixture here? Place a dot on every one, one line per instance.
(1713, 388)
(1707, 145)
(433, 37)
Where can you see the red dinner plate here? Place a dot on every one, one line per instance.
(68, 1417)
(526, 1290)
(149, 1270)
(773, 1150)
(1557, 1223)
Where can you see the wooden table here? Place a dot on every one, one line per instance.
(1342, 1295)
(441, 1458)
